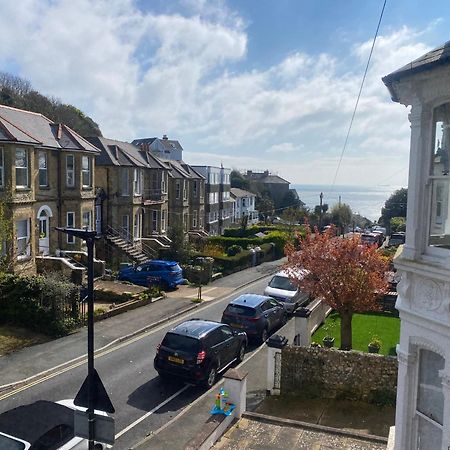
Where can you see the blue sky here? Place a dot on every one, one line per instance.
(255, 84)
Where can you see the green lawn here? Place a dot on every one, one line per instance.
(364, 326)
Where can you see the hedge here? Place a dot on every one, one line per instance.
(242, 260)
(44, 304)
(248, 232)
(279, 238)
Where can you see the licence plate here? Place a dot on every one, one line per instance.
(175, 359)
(237, 325)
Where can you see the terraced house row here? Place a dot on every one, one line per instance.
(130, 193)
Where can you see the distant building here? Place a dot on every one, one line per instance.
(186, 184)
(277, 187)
(244, 206)
(219, 205)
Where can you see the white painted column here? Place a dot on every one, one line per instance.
(274, 345)
(236, 386)
(405, 398)
(302, 327)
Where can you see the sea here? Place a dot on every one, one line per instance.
(364, 200)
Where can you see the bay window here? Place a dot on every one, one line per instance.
(86, 171)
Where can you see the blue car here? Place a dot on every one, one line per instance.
(166, 274)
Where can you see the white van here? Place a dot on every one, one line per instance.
(281, 288)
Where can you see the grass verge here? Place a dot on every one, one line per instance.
(364, 326)
(14, 338)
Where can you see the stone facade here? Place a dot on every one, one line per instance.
(319, 372)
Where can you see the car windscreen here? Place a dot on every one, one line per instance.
(181, 343)
(7, 443)
(175, 268)
(240, 310)
(284, 283)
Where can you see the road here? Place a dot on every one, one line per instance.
(143, 403)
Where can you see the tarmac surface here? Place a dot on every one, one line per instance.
(175, 434)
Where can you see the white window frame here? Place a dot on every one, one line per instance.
(25, 168)
(27, 239)
(154, 220)
(163, 184)
(70, 223)
(86, 171)
(70, 171)
(185, 190)
(2, 167)
(194, 218)
(43, 170)
(163, 221)
(137, 182)
(88, 223)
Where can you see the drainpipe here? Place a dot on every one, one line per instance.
(59, 202)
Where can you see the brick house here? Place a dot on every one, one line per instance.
(46, 180)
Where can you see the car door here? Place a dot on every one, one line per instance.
(217, 348)
(276, 313)
(266, 308)
(140, 274)
(231, 344)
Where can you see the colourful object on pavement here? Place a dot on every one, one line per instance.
(222, 405)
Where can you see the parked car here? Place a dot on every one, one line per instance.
(370, 239)
(282, 289)
(42, 425)
(167, 274)
(257, 315)
(198, 350)
(396, 239)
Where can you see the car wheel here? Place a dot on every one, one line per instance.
(241, 353)
(211, 378)
(264, 335)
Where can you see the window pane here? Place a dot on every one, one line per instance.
(21, 158)
(430, 399)
(429, 436)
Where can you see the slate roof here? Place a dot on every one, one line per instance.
(118, 153)
(438, 56)
(18, 125)
(241, 193)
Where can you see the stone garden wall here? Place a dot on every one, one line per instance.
(330, 373)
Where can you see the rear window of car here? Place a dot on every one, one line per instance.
(240, 310)
(181, 343)
(7, 443)
(278, 282)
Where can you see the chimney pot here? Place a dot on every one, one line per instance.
(165, 137)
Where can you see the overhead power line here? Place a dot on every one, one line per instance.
(359, 93)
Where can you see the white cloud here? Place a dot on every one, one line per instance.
(144, 74)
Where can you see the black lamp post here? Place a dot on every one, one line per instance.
(89, 237)
(320, 212)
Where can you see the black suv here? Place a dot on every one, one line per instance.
(198, 350)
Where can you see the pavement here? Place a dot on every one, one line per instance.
(36, 361)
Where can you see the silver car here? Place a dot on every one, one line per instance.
(281, 288)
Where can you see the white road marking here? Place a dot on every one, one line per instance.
(138, 421)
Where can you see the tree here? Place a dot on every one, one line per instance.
(265, 206)
(341, 216)
(345, 274)
(237, 180)
(179, 248)
(398, 224)
(395, 206)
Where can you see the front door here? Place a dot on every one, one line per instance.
(44, 239)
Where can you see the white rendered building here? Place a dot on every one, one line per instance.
(423, 395)
(244, 205)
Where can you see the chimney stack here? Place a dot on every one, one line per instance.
(165, 137)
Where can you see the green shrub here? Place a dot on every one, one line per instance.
(234, 250)
(47, 304)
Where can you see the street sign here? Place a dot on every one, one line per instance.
(101, 398)
(104, 430)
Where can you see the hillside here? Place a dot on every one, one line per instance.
(18, 93)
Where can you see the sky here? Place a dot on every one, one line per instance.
(254, 84)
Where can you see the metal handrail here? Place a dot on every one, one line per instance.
(129, 240)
